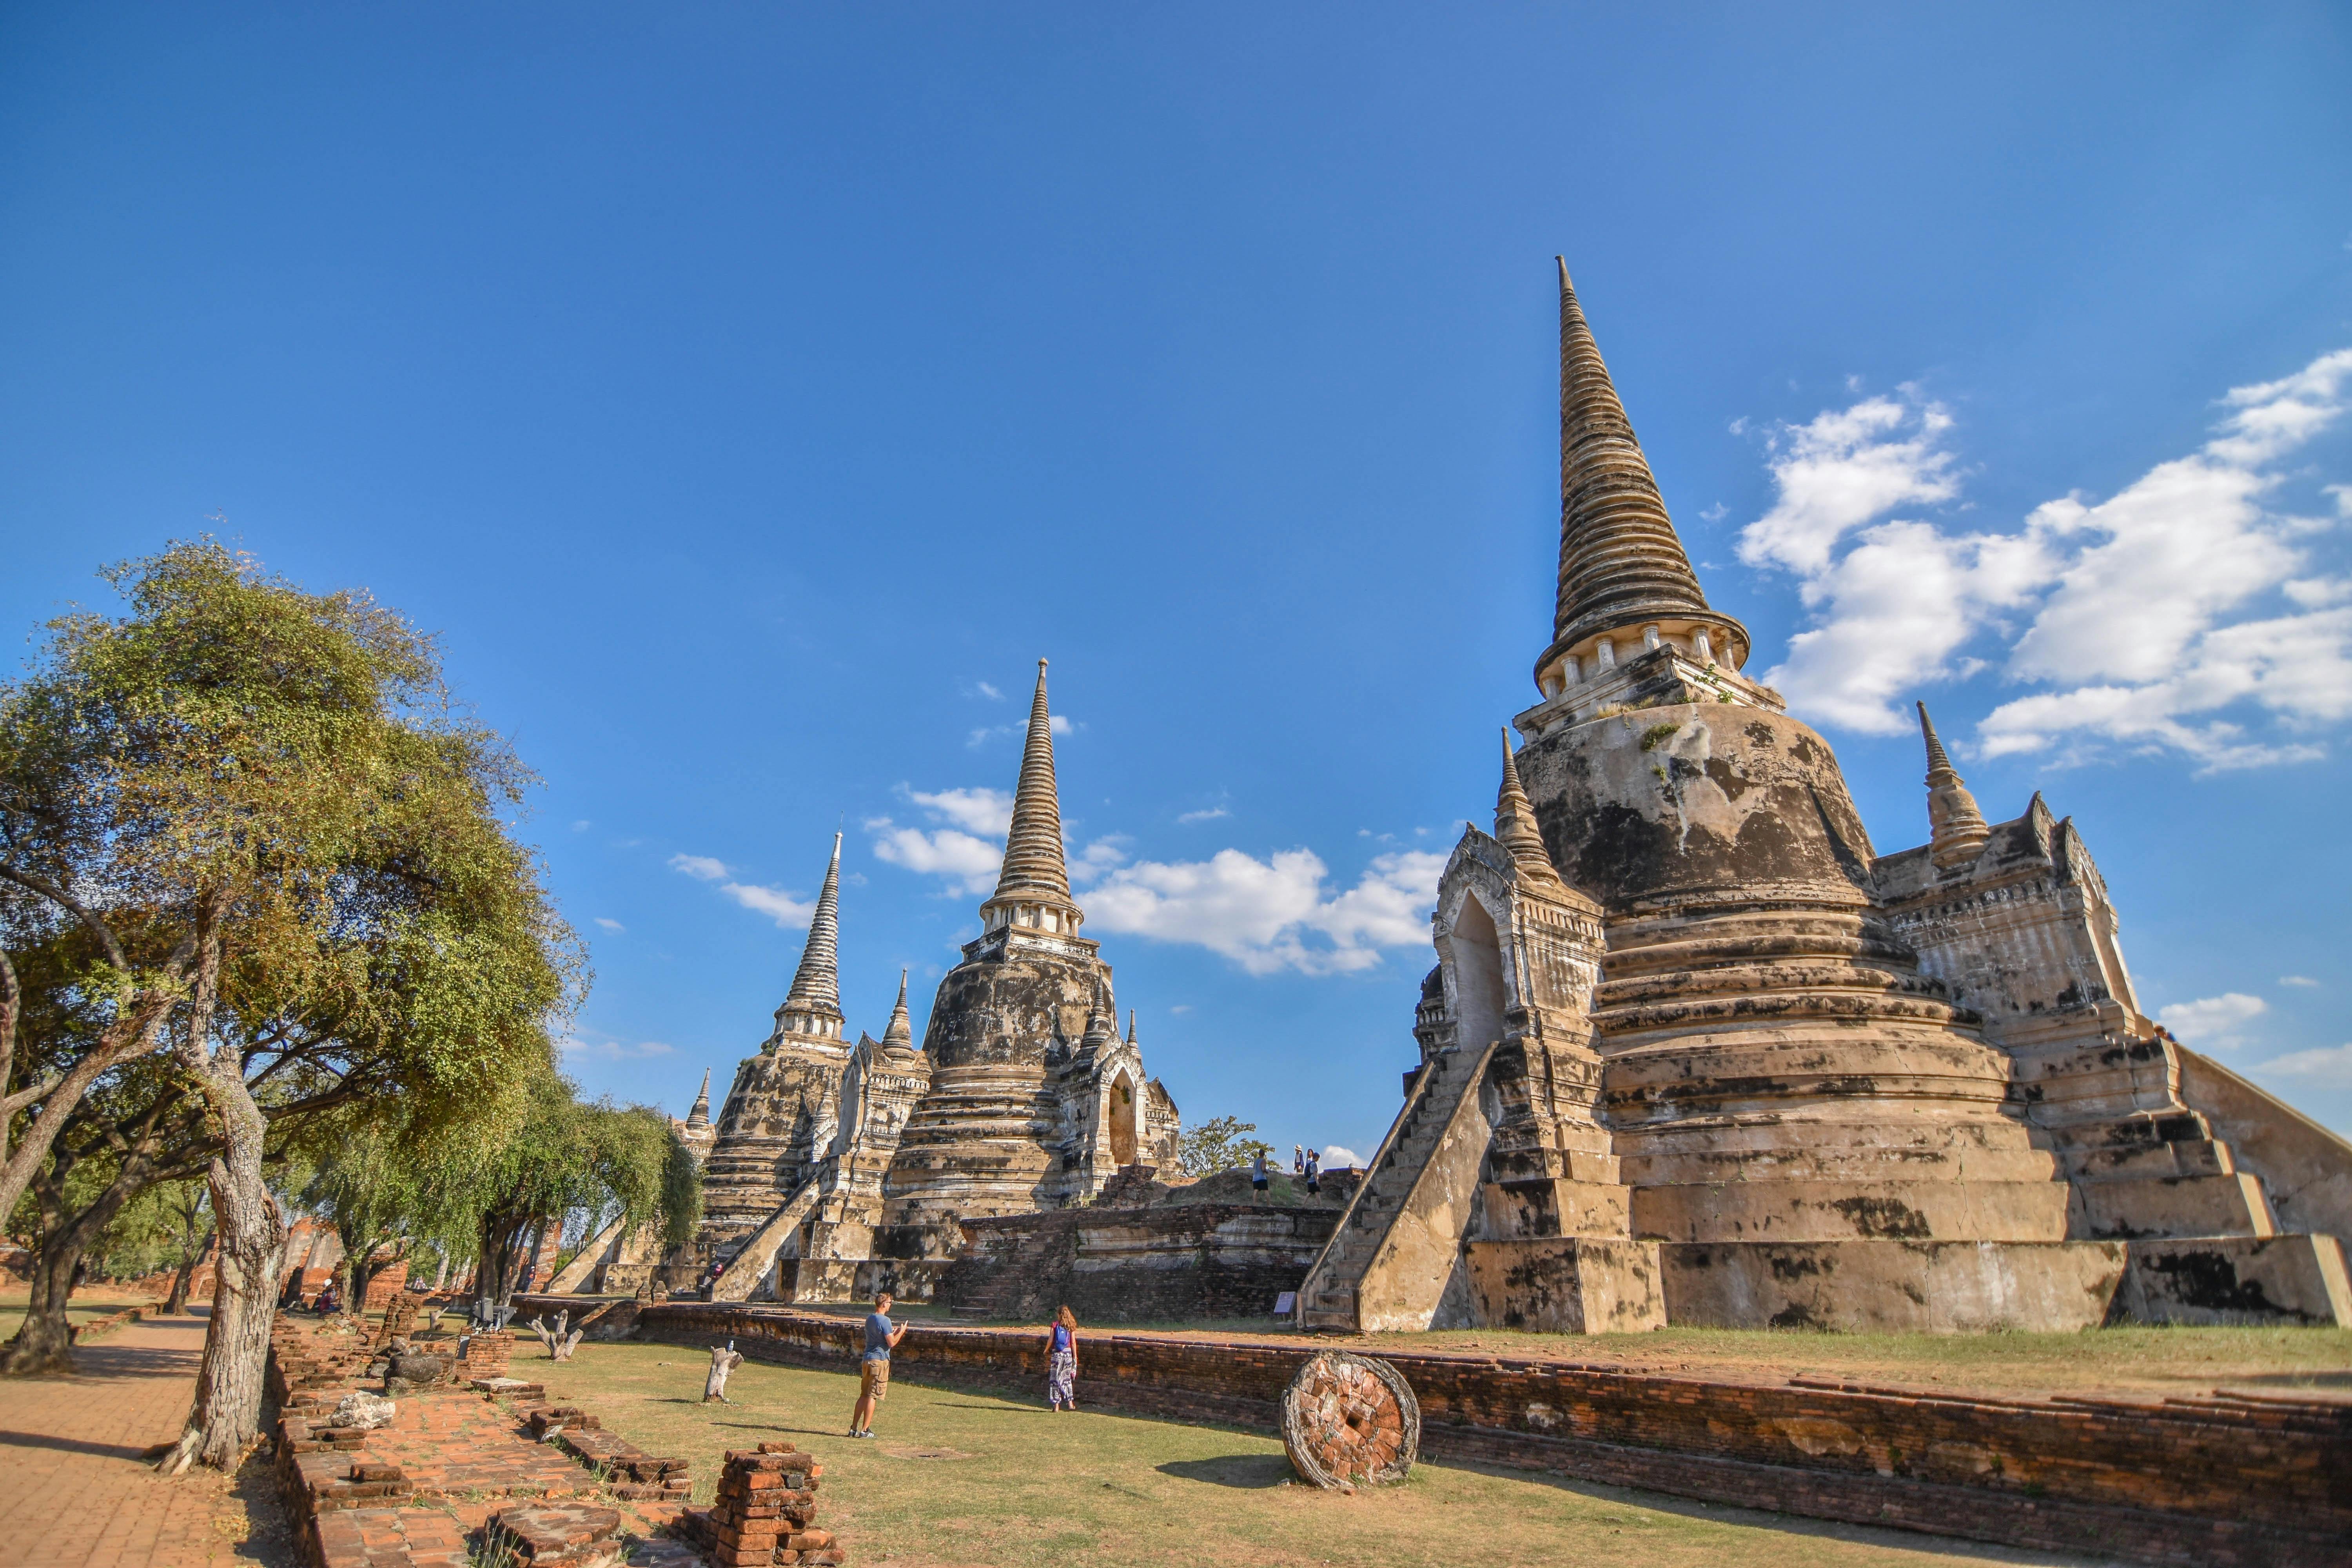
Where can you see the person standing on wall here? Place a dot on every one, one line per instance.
(874, 1367)
(1062, 1361)
(1314, 1173)
(1261, 1169)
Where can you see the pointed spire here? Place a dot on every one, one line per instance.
(1957, 829)
(1034, 872)
(1514, 823)
(1621, 563)
(902, 1032)
(700, 1115)
(1130, 1026)
(816, 985)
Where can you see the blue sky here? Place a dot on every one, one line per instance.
(750, 396)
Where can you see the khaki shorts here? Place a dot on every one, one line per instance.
(873, 1380)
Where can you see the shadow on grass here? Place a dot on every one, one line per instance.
(1249, 1472)
(1958, 1548)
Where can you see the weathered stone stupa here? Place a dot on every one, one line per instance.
(781, 1114)
(1035, 1101)
(841, 1170)
(1695, 1053)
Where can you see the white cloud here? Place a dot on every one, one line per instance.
(2327, 1066)
(986, 811)
(1210, 815)
(775, 903)
(1099, 856)
(985, 690)
(1339, 1157)
(2296, 980)
(1059, 724)
(582, 825)
(613, 1050)
(967, 864)
(610, 924)
(2213, 1023)
(1180, 1008)
(1263, 914)
(2175, 615)
(1844, 467)
(788, 913)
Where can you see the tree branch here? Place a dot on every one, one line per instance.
(73, 906)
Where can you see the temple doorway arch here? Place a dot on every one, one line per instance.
(1122, 1120)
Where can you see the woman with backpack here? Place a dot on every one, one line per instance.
(1062, 1361)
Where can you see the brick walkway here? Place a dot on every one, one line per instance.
(73, 1490)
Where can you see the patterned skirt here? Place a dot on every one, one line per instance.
(1061, 1377)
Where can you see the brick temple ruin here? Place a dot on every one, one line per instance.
(1695, 1052)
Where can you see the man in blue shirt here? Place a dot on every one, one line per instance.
(874, 1367)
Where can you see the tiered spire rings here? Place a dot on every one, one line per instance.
(1624, 582)
(1033, 889)
(813, 1006)
(1957, 829)
(902, 1032)
(1515, 823)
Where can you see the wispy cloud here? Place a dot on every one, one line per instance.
(2327, 1067)
(973, 810)
(2296, 980)
(2213, 1023)
(1210, 815)
(1274, 914)
(2172, 616)
(985, 690)
(967, 863)
(612, 1050)
(611, 924)
(778, 905)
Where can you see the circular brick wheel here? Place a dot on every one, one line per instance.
(1350, 1421)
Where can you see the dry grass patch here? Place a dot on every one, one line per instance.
(970, 1478)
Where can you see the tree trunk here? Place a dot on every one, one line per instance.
(44, 1343)
(226, 1417)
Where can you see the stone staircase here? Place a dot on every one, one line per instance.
(1329, 1297)
(750, 1265)
(1010, 1279)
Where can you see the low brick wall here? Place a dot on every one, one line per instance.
(2241, 1479)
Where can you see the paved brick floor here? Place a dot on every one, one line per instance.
(73, 1490)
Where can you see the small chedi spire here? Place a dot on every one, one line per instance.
(813, 1005)
(1514, 823)
(1033, 889)
(700, 1115)
(1622, 573)
(1130, 1026)
(902, 1032)
(1957, 829)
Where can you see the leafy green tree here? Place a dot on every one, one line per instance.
(1220, 1143)
(564, 1154)
(287, 848)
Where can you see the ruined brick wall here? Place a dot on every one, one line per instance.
(2244, 1479)
(1170, 1263)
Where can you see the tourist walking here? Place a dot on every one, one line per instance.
(1260, 1169)
(1314, 1173)
(1062, 1361)
(874, 1367)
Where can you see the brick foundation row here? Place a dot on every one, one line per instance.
(2235, 1480)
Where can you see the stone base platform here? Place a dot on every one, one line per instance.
(1893, 1286)
(2236, 1279)
(1569, 1284)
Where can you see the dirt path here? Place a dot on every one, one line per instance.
(74, 1492)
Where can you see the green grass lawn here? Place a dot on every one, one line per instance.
(80, 1310)
(967, 1479)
